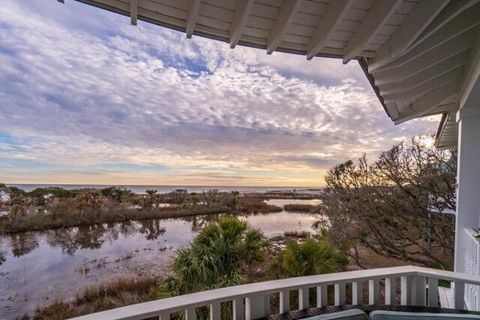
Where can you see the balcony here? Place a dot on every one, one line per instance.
(407, 286)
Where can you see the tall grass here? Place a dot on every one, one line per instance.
(112, 294)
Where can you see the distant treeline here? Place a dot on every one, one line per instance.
(56, 207)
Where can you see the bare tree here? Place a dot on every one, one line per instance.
(396, 206)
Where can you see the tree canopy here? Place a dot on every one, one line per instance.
(396, 206)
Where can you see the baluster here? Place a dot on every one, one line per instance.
(190, 314)
(322, 296)
(339, 294)
(256, 306)
(459, 294)
(405, 295)
(419, 291)
(390, 290)
(266, 304)
(284, 301)
(238, 309)
(373, 291)
(357, 293)
(164, 315)
(215, 311)
(303, 298)
(432, 292)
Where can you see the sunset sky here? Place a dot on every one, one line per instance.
(86, 98)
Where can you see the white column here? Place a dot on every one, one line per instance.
(468, 177)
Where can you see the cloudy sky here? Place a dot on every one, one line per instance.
(87, 98)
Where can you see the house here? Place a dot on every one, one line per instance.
(422, 58)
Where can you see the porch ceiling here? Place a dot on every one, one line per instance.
(421, 56)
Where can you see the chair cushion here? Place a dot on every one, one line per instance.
(353, 314)
(397, 315)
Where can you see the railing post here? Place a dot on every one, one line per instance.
(373, 291)
(215, 311)
(419, 291)
(390, 290)
(357, 293)
(405, 294)
(255, 307)
(238, 309)
(432, 292)
(284, 301)
(165, 315)
(322, 296)
(459, 295)
(303, 298)
(339, 294)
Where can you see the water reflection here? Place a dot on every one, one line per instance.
(38, 267)
(22, 243)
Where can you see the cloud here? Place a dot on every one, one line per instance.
(81, 88)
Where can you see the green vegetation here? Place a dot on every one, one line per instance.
(308, 258)
(56, 192)
(217, 257)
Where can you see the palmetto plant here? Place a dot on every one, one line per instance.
(308, 258)
(216, 258)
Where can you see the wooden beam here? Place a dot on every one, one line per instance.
(379, 13)
(133, 12)
(425, 75)
(193, 11)
(462, 23)
(283, 21)
(328, 24)
(427, 102)
(413, 25)
(443, 52)
(472, 75)
(242, 12)
(426, 86)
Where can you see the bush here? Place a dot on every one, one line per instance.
(308, 258)
(216, 257)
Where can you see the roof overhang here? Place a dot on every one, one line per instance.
(422, 57)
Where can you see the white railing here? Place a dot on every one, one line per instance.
(399, 285)
(472, 266)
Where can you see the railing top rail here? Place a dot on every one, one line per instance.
(153, 308)
(448, 275)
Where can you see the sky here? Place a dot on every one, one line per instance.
(86, 98)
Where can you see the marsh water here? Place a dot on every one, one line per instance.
(40, 267)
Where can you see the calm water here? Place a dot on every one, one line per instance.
(40, 267)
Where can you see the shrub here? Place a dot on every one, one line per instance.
(308, 258)
(217, 257)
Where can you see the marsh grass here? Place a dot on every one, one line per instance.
(69, 213)
(73, 218)
(108, 295)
